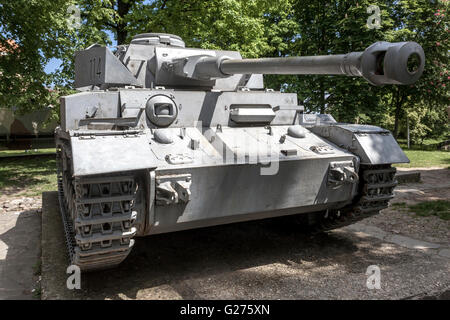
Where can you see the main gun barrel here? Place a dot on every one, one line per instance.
(381, 63)
(328, 65)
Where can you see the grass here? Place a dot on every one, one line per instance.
(439, 208)
(428, 144)
(424, 155)
(37, 271)
(37, 268)
(37, 293)
(14, 153)
(399, 205)
(29, 176)
(426, 158)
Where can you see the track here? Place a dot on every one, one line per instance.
(376, 188)
(98, 218)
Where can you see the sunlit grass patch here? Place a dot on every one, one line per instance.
(424, 158)
(399, 204)
(29, 176)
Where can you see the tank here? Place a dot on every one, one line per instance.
(163, 138)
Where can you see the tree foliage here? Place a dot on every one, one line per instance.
(333, 27)
(256, 28)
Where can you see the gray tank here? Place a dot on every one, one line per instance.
(164, 138)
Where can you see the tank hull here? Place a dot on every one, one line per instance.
(229, 181)
(233, 193)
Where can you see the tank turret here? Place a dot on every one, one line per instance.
(162, 59)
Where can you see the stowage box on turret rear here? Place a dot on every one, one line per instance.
(164, 138)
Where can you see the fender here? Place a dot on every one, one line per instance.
(374, 145)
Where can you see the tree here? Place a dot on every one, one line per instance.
(255, 28)
(425, 22)
(330, 27)
(43, 30)
(231, 24)
(24, 81)
(216, 24)
(333, 27)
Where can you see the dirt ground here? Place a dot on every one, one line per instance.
(256, 260)
(434, 185)
(20, 253)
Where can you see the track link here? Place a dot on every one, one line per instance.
(375, 190)
(98, 218)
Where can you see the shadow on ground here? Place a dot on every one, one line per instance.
(20, 243)
(171, 259)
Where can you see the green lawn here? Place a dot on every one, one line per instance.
(14, 153)
(439, 208)
(428, 144)
(28, 176)
(425, 155)
(423, 158)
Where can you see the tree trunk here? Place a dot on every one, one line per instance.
(407, 132)
(123, 7)
(398, 112)
(395, 100)
(322, 98)
(121, 35)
